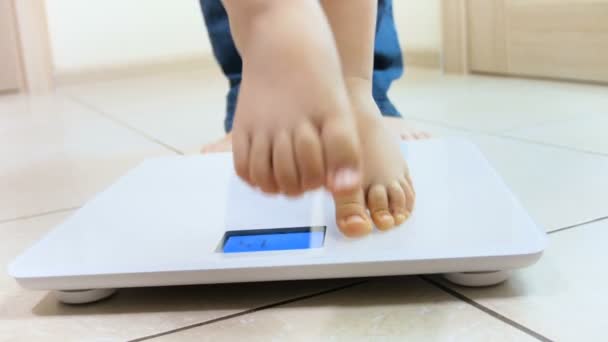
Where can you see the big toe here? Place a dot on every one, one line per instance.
(351, 214)
(342, 156)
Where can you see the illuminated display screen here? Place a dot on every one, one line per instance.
(273, 239)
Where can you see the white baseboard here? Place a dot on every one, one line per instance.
(120, 71)
(422, 58)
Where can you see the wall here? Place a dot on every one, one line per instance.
(418, 24)
(92, 35)
(9, 74)
(89, 35)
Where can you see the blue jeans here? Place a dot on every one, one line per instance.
(388, 60)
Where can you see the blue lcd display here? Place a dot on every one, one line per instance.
(274, 239)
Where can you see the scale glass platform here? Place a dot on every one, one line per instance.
(189, 220)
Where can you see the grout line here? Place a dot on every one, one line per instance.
(250, 311)
(505, 135)
(577, 225)
(490, 133)
(563, 147)
(488, 311)
(125, 125)
(442, 124)
(50, 212)
(542, 124)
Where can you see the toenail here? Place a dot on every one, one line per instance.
(400, 217)
(345, 179)
(355, 226)
(354, 219)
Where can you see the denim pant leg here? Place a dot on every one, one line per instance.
(388, 60)
(225, 53)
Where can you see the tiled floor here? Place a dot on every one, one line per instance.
(546, 139)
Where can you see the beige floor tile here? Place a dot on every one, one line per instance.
(57, 154)
(564, 296)
(183, 110)
(587, 134)
(15, 103)
(131, 313)
(558, 187)
(385, 309)
(493, 104)
(186, 109)
(437, 130)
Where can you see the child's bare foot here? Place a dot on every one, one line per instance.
(294, 130)
(351, 212)
(221, 145)
(387, 190)
(403, 129)
(290, 137)
(397, 125)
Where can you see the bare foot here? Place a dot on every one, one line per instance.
(383, 198)
(221, 145)
(289, 139)
(293, 130)
(397, 125)
(387, 190)
(404, 130)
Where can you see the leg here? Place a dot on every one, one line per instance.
(388, 67)
(225, 52)
(228, 58)
(293, 129)
(387, 187)
(388, 59)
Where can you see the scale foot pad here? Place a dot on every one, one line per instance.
(478, 279)
(472, 279)
(83, 296)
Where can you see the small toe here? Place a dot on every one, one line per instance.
(377, 202)
(260, 164)
(397, 202)
(309, 156)
(284, 165)
(410, 196)
(419, 135)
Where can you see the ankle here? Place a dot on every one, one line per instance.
(358, 86)
(362, 102)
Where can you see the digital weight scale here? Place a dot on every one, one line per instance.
(189, 220)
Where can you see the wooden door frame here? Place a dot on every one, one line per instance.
(454, 38)
(33, 46)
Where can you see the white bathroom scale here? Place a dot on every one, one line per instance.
(189, 220)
